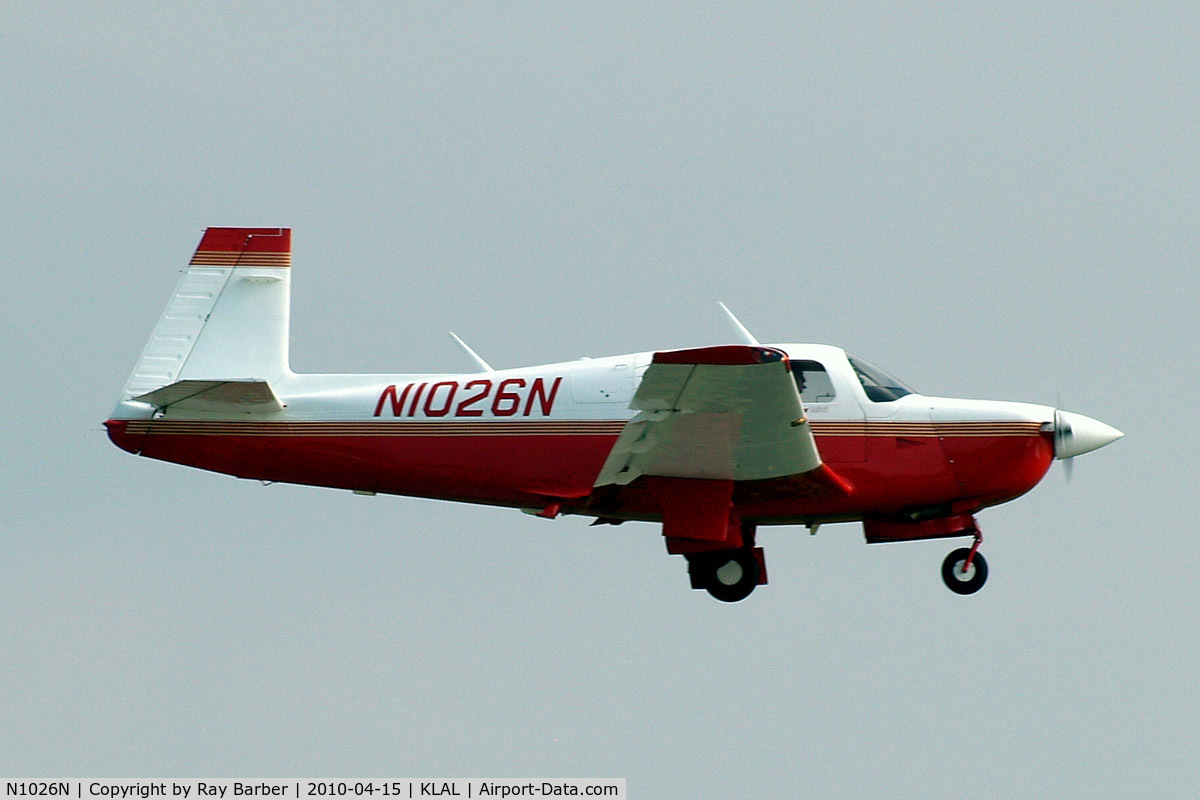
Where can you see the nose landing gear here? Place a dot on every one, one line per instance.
(965, 570)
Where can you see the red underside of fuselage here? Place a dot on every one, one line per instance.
(532, 465)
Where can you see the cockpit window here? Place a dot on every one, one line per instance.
(879, 386)
(813, 382)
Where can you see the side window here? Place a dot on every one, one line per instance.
(813, 382)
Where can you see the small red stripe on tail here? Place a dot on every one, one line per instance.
(249, 240)
(244, 247)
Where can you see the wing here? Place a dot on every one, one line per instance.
(715, 413)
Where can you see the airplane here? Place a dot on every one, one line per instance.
(712, 442)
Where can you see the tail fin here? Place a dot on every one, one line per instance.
(228, 317)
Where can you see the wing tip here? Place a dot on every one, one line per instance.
(722, 355)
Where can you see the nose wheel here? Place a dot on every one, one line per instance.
(965, 570)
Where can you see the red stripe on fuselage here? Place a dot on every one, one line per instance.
(520, 463)
(497, 463)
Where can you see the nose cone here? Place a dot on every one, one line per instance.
(1075, 434)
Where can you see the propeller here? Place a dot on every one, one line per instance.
(1062, 441)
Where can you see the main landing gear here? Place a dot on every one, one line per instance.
(965, 570)
(728, 575)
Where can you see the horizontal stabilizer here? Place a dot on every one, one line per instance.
(244, 396)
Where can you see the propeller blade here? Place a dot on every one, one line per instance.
(1062, 434)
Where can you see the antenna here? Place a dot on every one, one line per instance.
(479, 362)
(747, 336)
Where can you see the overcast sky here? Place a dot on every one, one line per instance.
(992, 201)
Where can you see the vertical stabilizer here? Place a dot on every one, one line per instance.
(228, 317)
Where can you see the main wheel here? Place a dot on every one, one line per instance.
(968, 582)
(731, 575)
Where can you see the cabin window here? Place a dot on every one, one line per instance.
(879, 386)
(813, 382)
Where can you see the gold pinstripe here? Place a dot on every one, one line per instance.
(389, 428)
(425, 428)
(926, 429)
(237, 258)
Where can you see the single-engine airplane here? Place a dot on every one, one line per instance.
(713, 442)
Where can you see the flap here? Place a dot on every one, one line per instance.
(235, 395)
(714, 413)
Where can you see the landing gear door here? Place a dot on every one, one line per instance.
(837, 420)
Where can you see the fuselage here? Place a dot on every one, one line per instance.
(713, 442)
(528, 437)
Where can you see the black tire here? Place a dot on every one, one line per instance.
(731, 575)
(952, 573)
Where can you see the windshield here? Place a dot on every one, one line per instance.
(879, 386)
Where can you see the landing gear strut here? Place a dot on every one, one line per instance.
(965, 570)
(728, 575)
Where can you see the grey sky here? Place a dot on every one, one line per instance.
(990, 202)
